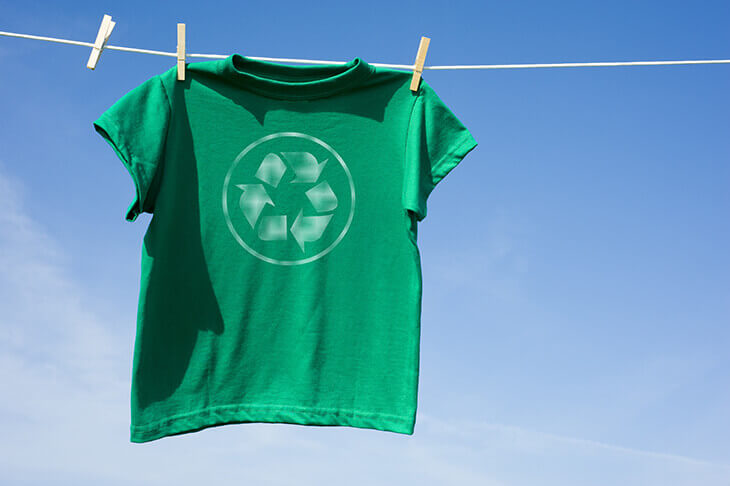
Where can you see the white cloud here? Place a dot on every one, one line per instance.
(65, 411)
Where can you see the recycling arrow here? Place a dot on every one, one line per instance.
(322, 197)
(271, 170)
(252, 201)
(305, 166)
(273, 228)
(309, 228)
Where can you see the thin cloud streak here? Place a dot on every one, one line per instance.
(473, 428)
(66, 381)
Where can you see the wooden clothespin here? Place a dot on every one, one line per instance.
(420, 60)
(180, 52)
(105, 31)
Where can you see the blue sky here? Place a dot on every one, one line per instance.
(576, 273)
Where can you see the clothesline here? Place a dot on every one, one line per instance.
(392, 66)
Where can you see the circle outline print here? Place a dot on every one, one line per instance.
(240, 239)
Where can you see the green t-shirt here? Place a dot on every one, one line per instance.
(281, 278)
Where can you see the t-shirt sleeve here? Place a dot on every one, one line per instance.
(136, 127)
(436, 142)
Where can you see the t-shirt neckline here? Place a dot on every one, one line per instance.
(283, 81)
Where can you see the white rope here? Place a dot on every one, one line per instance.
(408, 67)
(584, 64)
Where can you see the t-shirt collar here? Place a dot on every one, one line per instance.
(294, 82)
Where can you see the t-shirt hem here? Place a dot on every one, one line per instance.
(111, 132)
(237, 414)
(461, 147)
(465, 144)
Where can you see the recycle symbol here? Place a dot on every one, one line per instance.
(304, 229)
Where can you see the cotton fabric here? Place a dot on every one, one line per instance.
(280, 276)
